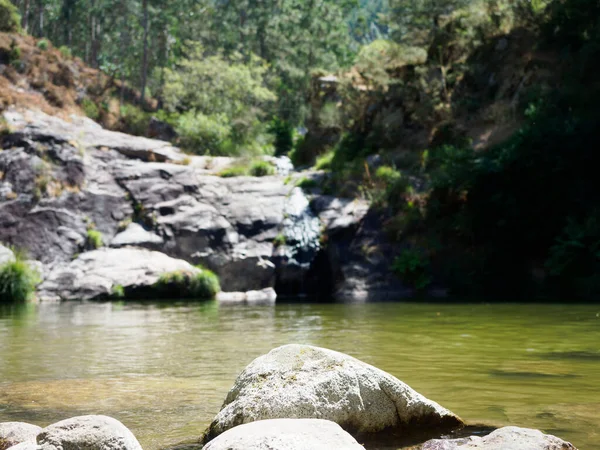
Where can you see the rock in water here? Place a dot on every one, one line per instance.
(13, 433)
(300, 381)
(507, 438)
(95, 274)
(286, 434)
(88, 433)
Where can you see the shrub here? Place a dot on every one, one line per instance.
(412, 267)
(43, 44)
(307, 183)
(17, 280)
(324, 160)
(205, 134)
(183, 284)
(15, 52)
(284, 136)
(234, 171)
(65, 52)
(387, 174)
(90, 108)
(135, 120)
(94, 239)
(261, 168)
(10, 21)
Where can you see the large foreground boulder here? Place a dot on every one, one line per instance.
(13, 433)
(88, 433)
(507, 438)
(286, 434)
(98, 273)
(300, 381)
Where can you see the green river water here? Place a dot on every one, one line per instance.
(164, 369)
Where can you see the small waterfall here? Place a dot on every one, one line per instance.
(302, 232)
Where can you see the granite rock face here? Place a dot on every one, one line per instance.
(300, 381)
(61, 179)
(285, 434)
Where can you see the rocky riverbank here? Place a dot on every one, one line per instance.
(69, 188)
(300, 397)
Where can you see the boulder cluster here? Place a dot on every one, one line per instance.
(299, 397)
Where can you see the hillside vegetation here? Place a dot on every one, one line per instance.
(469, 124)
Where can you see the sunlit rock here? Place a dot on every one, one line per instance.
(507, 438)
(300, 381)
(286, 434)
(88, 433)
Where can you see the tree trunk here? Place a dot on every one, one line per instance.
(25, 22)
(40, 18)
(145, 54)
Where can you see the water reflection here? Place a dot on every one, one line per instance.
(164, 369)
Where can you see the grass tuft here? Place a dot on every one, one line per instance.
(17, 280)
(183, 284)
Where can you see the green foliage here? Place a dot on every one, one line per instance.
(134, 119)
(90, 108)
(43, 44)
(284, 136)
(202, 134)
(15, 52)
(261, 168)
(324, 161)
(10, 21)
(412, 267)
(118, 291)
(230, 106)
(279, 240)
(17, 280)
(94, 239)
(248, 167)
(307, 183)
(387, 174)
(234, 171)
(183, 284)
(65, 52)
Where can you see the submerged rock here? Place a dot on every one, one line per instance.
(88, 433)
(286, 434)
(98, 273)
(507, 438)
(300, 381)
(13, 433)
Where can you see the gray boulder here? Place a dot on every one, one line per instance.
(300, 381)
(88, 433)
(13, 433)
(286, 434)
(507, 438)
(97, 273)
(6, 255)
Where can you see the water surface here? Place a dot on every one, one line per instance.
(164, 369)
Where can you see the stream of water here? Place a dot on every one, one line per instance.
(164, 369)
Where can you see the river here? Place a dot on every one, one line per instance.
(164, 369)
